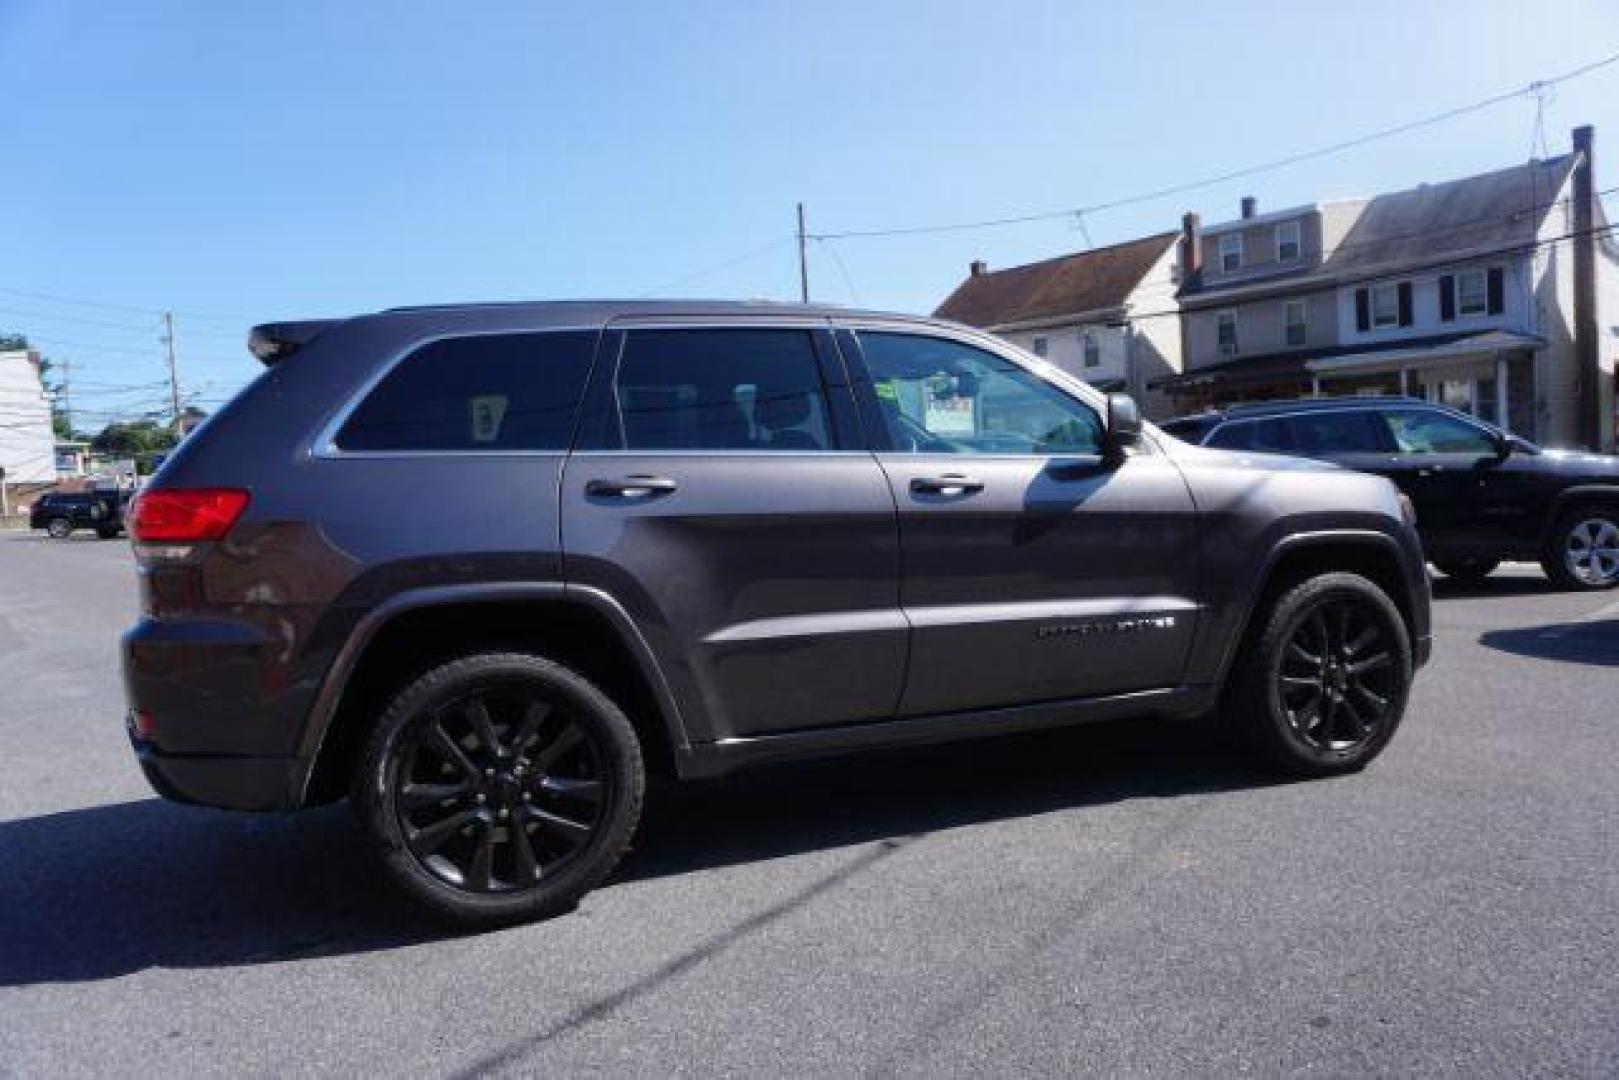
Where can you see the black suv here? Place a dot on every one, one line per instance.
(61, 512)
(480, 567)
(1481, 495)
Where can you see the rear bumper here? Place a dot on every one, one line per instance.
(219, 780)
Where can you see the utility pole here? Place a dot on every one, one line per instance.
(67, 394)
(803, 259)
(174, 372)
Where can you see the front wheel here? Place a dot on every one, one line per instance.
(59, 528)
(1467, 570)
(500, 787)
(1583, 552)
(1324, 683)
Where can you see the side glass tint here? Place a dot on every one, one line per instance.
(1326, 434)
(484, 392)
(721, 390)
(1427, 431)
(942, 397)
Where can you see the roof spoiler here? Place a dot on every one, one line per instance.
(274, 342)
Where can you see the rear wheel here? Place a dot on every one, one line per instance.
(59, 528)
(500, 787)
(107, 533)
(1467, 569)
(1324, 683)
(1583, 552)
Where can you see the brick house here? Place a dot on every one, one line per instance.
(1083, 311)
(1497, 294)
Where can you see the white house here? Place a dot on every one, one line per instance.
(1085, 312)
(27, 443)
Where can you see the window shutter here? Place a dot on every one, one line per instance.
(1405, 303)
(1497, 291)
(1447, 298)
(1363, 310)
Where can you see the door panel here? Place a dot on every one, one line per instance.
(756, 551)
(1057, 579)
(1033, 570)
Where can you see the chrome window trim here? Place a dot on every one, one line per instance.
(324, 445)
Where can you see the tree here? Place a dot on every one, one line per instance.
(141, 440)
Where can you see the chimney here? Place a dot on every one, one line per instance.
(1250, 206)
(977, 268)
(1191, 244)
(1594, 424)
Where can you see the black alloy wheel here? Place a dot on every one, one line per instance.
(501, 787)
(1322, 682)
(1337, 678)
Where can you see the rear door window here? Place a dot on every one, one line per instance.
(482, 392)
(741, 389)
(1328, 434)
(1265, 436)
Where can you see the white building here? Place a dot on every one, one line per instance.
(1085, 312)
(27, 443)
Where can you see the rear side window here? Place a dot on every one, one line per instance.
(484, 392)
(1264, 436)
(1328, 433)
(721, 390)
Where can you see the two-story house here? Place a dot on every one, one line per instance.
(1081, 311)
(1484, 293)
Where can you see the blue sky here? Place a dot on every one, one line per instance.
(238, 162)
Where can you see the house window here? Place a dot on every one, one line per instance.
(1093, 349)
(1472, 292)
(1226, 332)
(1293, 321)
(1038, 346)
(1231, 252)
(1287, 242)
(1385, 305)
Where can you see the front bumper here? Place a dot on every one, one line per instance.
(226, 781)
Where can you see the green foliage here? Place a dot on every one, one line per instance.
(139, 439)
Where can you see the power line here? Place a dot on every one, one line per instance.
(1535, 87)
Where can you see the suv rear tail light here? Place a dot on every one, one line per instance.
(186, 515)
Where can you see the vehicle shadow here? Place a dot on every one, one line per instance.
(1495, 585)
(105, 891)
(1593, 642)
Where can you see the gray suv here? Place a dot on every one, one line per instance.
(484, 567)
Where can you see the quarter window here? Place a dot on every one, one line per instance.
(484, 392)
(1385, 305)
(1287, 242)
(1231, 252)
(1293, 321)
(942, 397)
(721, 390)
(1472, 292)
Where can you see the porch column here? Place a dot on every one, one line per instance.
(1405, 382)
(1315, 386)
(1503, 418)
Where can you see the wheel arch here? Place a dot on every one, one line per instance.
(1373, 555)
(583, 628)
(1578, 495)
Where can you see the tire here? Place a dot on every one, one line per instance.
(550, 753)
(1583, 550)
(59, 528)
(1306, 694)
(1467, 570)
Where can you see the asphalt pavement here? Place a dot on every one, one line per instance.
(1121, 900)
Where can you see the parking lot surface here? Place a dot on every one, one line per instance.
(1125, 899)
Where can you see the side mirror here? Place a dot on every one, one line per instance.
(1123, 424)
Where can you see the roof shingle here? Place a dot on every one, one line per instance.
(1087, 281)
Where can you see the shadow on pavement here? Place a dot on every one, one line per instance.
(110, 890)
(1496, 585)
(1595, 642)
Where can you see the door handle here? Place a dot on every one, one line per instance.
(632, 487)
(948, 484)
